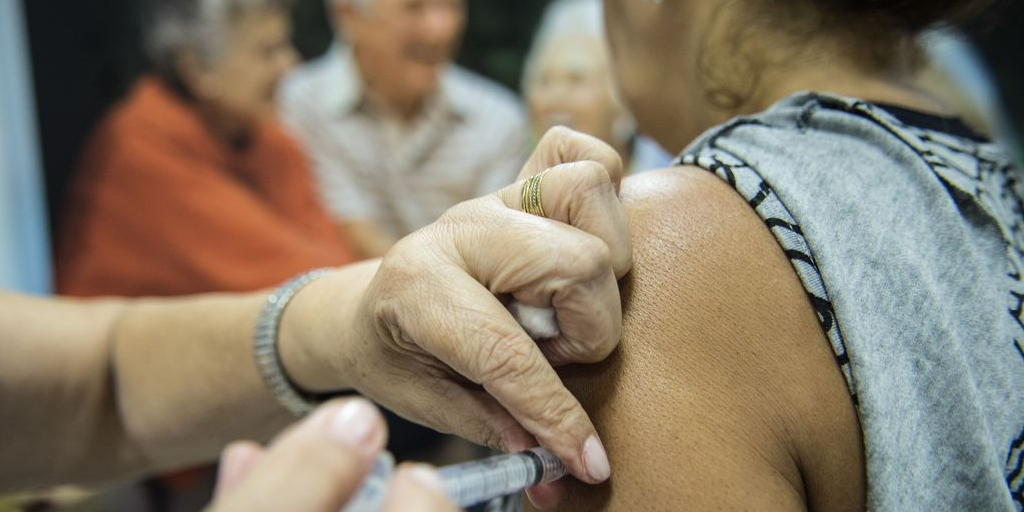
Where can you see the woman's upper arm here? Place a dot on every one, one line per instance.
(724, 392)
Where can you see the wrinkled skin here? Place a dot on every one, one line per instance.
(498, 384)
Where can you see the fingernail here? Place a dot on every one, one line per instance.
(426, 477)
(354, 424)
(595, 460)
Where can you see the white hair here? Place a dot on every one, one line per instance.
(567, 18)
(562, 18)
(199, 26)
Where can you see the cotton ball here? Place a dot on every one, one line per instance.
(539, 323)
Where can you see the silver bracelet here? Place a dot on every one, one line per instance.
(268, 361)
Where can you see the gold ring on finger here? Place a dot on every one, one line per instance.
(532, 198)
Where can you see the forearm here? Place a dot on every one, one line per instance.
(98, 391)
(187, 379)
(92, 391)
(57, 413)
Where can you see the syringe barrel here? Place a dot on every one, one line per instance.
(479, 481)
(551, 466)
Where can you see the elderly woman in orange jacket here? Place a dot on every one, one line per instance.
(189, 185)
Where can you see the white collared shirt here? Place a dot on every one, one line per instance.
(469, 140)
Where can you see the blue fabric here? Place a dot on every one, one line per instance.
(24, 239)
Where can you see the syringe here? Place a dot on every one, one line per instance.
(482, 480)
(469, 483)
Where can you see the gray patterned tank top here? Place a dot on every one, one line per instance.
(907, 232)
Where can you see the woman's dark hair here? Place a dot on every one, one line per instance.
(909, 16)
(879, 35)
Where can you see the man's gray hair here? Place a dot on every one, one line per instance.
(199, 26)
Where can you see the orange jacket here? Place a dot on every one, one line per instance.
(159, 206)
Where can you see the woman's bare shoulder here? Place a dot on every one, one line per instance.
(724, 392)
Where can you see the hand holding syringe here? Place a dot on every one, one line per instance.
(469, 483)
(475, 482)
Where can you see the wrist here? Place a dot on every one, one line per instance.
(318, 329)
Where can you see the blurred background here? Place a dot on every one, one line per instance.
(85, 54)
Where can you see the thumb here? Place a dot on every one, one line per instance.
(235, 462)
(316, 466)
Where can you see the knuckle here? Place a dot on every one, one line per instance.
(623, 256)
(601, 255)
(571, 351)
(592, 175)
(482, 433)
(459, 230)
(597, 351)
(593, 183)
(602, 350)
(593, 348)
(557, 134)
(615, 160)
(588, 258)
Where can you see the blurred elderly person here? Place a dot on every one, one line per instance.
(568, 81)
(397, 132)
(189, 185)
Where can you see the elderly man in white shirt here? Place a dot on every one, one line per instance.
(396, 132)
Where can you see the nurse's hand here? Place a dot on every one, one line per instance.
(440, 347)
(318, 465)
(428, 334)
